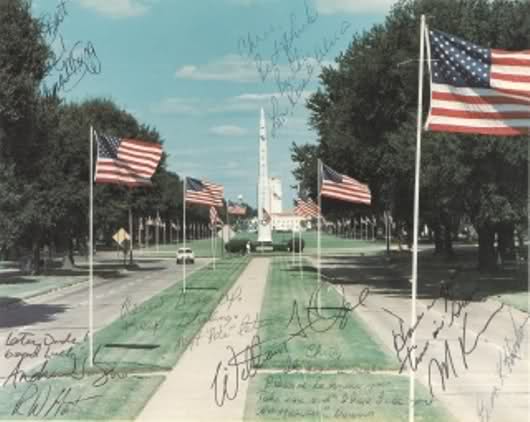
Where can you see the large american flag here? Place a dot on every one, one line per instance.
(345, 188)
(307, 209)
(125, 161)
(477, 90)
(198, 193)
(218, 192)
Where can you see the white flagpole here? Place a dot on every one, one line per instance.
(184, 233)
(416, 219)
(319, 223)
(213, 245)
(91, 255)
(292, 245)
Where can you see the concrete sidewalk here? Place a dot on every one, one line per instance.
(493, 387)
(187, 393)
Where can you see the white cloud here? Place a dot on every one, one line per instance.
(228, 130)
(332, 7)
(235, 68)
(177, 106)
(231, 67)
(118, 8)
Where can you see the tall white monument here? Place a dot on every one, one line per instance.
(264, 200)
(275, 184)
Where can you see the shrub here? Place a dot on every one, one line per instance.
(289, 244)
(237, 245)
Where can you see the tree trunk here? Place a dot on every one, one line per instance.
(506, 240)
(438, 240)
(486, 249)
(448, 241)
(35, 261)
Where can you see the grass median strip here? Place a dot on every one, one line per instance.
(338, 397)
(309, 326)
(158, 330)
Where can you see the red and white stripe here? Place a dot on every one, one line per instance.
(503, 109)
(136, 163)
(349, 190)
(307, 209)
(217, 191)
(237, 210)
(214, 216)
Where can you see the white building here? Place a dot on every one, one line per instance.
(286, 221)
(275, 190)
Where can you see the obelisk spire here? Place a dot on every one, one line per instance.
(264, 208)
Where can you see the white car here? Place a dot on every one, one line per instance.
(185, 254)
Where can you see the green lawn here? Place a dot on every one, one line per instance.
(328, 242)
(338, 397)
(519, 300)
(296, 337)
(153, 335)
(124, 398)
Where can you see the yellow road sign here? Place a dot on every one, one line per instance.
(120, 236)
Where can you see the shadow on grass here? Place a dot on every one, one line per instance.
(19, 313)
(391, 276)
(17, 280)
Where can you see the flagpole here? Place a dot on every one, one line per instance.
(184, 183)
(91, 255)
(416, 219)
(131, 232)
(319, 224)
(292, 246)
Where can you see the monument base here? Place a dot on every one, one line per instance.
(264, 247)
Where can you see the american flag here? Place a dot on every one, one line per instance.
(338, 186)
(237, 210)
(266, 217)
(477, 90)
(307, 209)
(217, 191)
(198, 193)
(214, 216)
(126, 161)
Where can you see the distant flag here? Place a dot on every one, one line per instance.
(266, 217)
(198, 193)
(345, 188)
(126, 161)
(214, 216)
(307, 209)
(217, 192)
(237, 210)
(477, 90)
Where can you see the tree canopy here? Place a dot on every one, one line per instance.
(364, 114)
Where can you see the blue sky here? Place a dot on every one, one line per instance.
(188, 68)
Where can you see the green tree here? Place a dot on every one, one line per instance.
(364, 115)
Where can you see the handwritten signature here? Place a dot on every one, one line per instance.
(293, 79)
(104, 371)
(243, 365)
(36, 402)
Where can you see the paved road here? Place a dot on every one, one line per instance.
(495, 384)
(63, 315)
